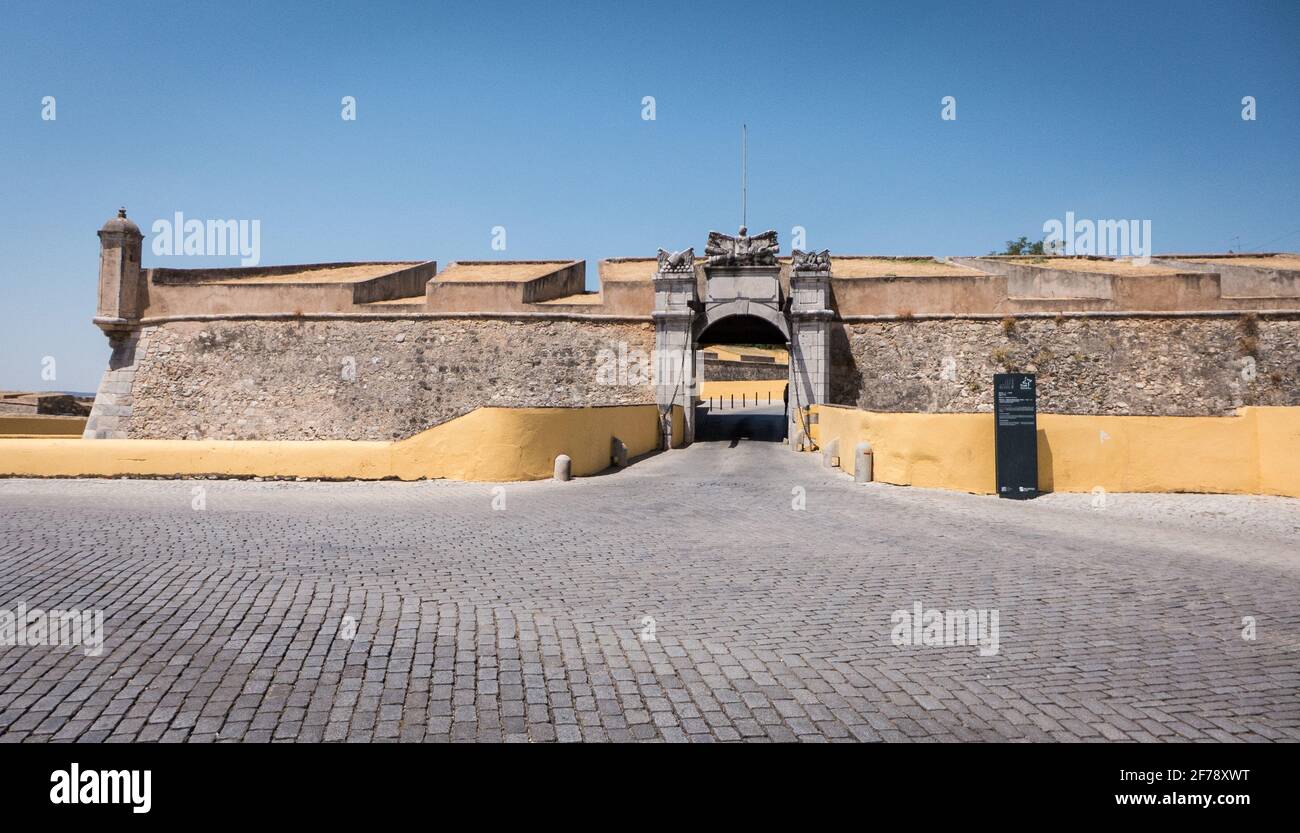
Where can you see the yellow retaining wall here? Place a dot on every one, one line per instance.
(1255, 452)
(1278, 433)
(41, 426)
(489, 444)
(758, 387)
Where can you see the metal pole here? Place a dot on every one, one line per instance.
(744, 175)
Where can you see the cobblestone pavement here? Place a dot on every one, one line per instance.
(528, 622)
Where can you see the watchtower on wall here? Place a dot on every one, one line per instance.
(121, 284)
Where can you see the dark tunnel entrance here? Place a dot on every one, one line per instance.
(744, 371)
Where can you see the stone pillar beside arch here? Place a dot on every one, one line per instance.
(676, 299)
(810, 339)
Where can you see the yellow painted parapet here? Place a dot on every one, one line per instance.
(41, 426)
(1278, 433)
(489, 444)
(1255, 452)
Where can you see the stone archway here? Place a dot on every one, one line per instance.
(715, 315)
(741, 278)
(751, 393)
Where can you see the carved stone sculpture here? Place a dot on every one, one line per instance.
(742, 250)
(683, 261)
(811, 261)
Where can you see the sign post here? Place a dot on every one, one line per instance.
(1015, 414)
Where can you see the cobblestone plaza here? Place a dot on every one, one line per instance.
(683, 598)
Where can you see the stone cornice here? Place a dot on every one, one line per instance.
(399, 316)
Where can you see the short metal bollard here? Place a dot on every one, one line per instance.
(563, 468)
(862, 463)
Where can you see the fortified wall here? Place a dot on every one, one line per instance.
(384, 350)
(367, 379)
(1105, 336)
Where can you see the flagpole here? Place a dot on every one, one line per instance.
(744, 175)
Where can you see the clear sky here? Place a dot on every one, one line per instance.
(529, 116)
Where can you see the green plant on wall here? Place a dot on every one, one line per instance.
(1022, 247)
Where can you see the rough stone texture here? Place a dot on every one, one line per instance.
(1165, 366)
(43, 404)
(110, 416)
(286, 380)
(528, 621)
(720, 370)
(275, 380)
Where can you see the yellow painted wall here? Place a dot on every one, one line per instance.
(944, 451)
(41, 426)
(1278, 430)
(1255, 452)
(734, 353)
(489, 444)
(760, 388)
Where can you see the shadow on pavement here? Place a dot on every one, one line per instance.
(755, 424)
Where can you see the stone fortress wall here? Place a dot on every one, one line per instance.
(1151, 366)
(733, 371)
(367, 379)
(261, 353)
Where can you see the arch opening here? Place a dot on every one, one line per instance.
(743, 374)
(742, 330)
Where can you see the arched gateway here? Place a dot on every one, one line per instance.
(740, 277)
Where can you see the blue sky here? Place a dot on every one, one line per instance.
(528, 116)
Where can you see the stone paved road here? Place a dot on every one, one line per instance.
(525, 623)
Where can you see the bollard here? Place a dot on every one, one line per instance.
(831, 454)
(618, 452)
(862, 463)
(563, 466)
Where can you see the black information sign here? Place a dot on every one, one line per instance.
(1015, 414)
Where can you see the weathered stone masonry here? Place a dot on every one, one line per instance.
(365, 351)
(1174, 366)
(366, 379)
(110, 418)
(715, 370)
